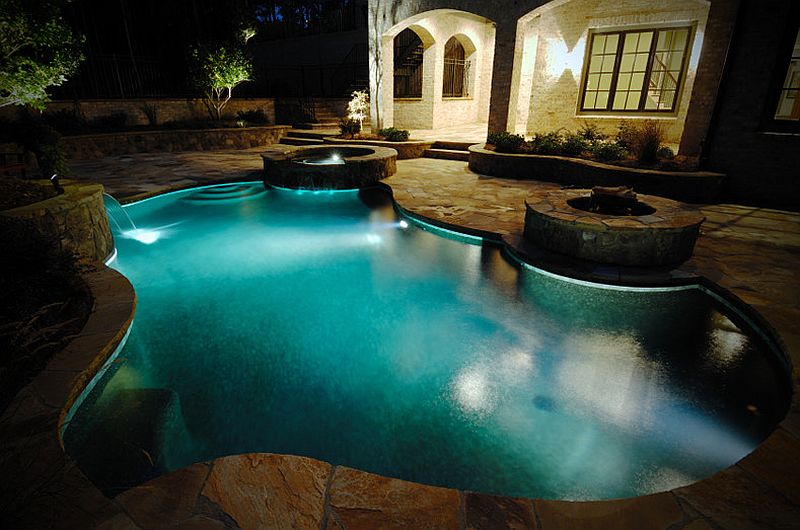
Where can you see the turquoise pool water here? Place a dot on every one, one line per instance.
(319, 324)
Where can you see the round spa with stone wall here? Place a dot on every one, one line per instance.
(654, 231)
(325, 167)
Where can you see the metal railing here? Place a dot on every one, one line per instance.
(456, 78)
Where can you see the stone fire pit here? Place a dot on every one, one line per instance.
(656, 231)
(327, 167)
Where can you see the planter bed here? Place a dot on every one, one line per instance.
(688, 186)
(89, 146)
(405, 150)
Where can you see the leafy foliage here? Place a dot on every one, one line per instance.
(358, 106)
(252, 116)
(608, 151)
(394, 135)
(349, 127)
(505, 142)
(37, 51)
(216, 72)
(643, 140)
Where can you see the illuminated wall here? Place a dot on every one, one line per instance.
(550, 54)
(433, 111)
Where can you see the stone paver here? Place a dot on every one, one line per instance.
(751, 252)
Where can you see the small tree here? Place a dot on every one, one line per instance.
(217, 72)
(37, 51)
(358, 106)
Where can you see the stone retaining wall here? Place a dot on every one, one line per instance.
(77, 219)
(89, 146)
(405, 150)
(688, 186)
(166, 109)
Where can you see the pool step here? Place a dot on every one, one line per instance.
(447, 154)
(124, 444)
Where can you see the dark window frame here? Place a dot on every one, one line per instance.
(769, 123)
(456, 71)
(640, 110)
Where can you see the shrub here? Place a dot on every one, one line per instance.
(505, 142)
(252, 116)
(550, 143)
(608, 151)
(150, 110)
(216, 72)
(591, 133)
(666, 153)
(45, 143)
(65, 121)
(642, 140)
(573, 144)
(349, 127)
(394, 135)
(116, 120)
(358, 106)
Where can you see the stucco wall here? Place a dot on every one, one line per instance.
(560, 50)
(432, 110)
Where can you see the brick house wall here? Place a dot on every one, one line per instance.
(762, 164)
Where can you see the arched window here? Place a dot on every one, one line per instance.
(408, 52)
(456, 70)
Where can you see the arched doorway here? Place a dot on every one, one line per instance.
(455, 80)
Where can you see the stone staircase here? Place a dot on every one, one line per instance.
(449, 151)
(327, 112)
(307, 137)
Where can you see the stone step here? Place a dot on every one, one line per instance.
(455, 146)
(287, 140)
(124, 443)
(447, 154)
(318, 125)
(316, 135)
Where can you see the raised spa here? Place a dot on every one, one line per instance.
(327, 168)
(321, 324)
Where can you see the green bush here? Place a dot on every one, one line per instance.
(665, 153)
(591, 133)
(45, 143)
(65, 121)
(505, 142)
(608, 151)
(394, 135)
(252, 116)
(642, 140)
(349, 127)
(573, 144)
(551, 143)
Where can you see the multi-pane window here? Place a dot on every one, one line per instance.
(635, 71)
(789, 100)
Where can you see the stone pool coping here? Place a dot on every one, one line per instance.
(687, 186)
(268, 490)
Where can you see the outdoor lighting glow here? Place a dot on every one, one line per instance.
(560, 58)
(403, 224)
(143, 235)
(336, 157)
(374, 239)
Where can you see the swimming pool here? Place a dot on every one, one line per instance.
(321, 324)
